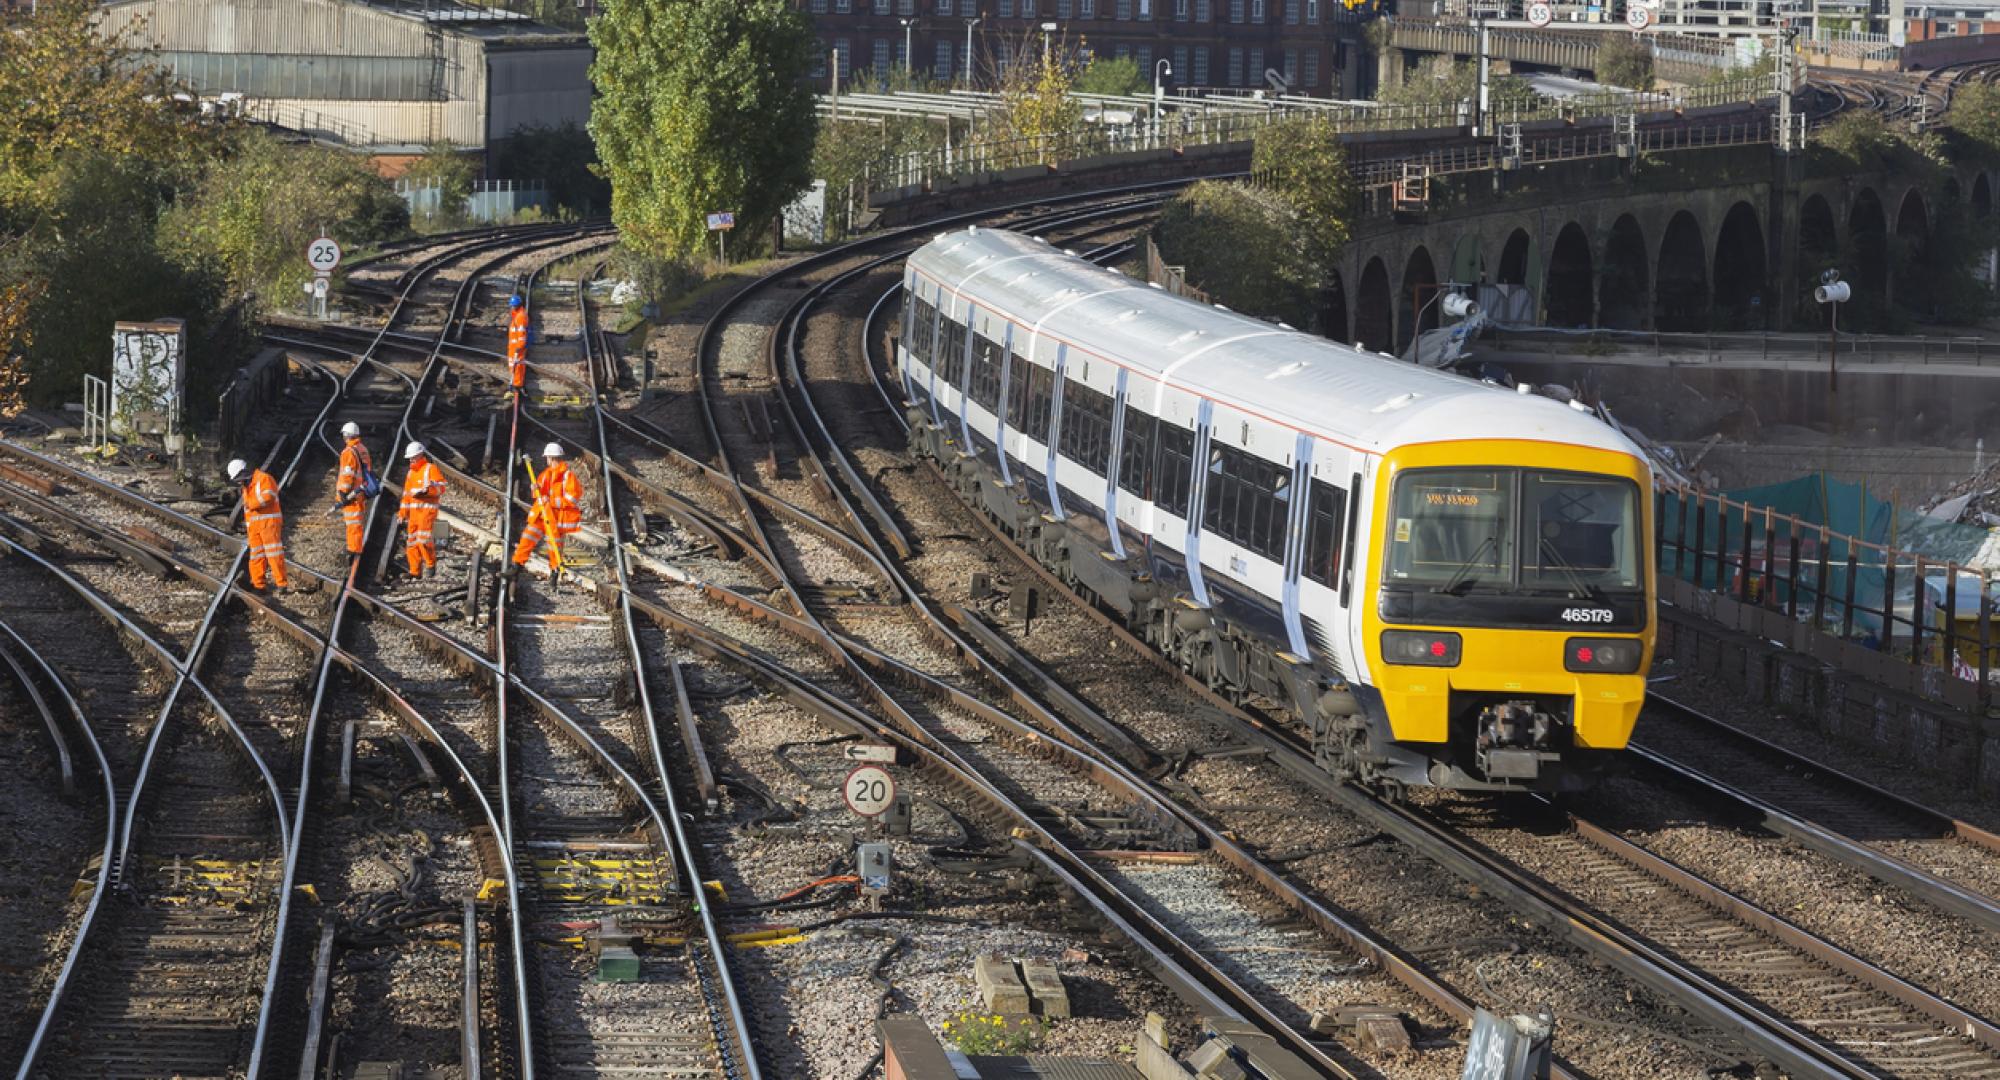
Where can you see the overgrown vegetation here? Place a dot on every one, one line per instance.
(1975, 115)
(1622, 60)
(1441, 81)
(1245, 246)
(1112, 75)
(443, 167)
(982, 1034)
(1302, 161)
(1036, 113)
(702, 106)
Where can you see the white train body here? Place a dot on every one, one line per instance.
(1225, 484)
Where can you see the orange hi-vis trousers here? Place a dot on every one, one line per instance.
(423, 488)
(353, 460)
(558, 495)
(517, 348)
(264, 520)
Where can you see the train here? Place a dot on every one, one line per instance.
(1439, 581)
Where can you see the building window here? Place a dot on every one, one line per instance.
(1292, 66)
(1145, 9)
(1312, 67)
(1027, 9)
(1203, 10)
(1145, 55)
(1235, 68)
(908, 7)
(881, 7)
(1182, 73)
(1235, 10)
(902, 55)
(843, 57)
(1006, 9)
(1063, 9)
(819, 62)
(1125, 9)
(1089, 9)
(1312, 11)
(843, 7)
(1181, 10)
(1200, 68)
(1255, 72)
(881, 60)
(944, 7)
(1256, 11)
(819, 7)
(943, 61)
(1121, 51)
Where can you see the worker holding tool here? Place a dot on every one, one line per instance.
(557, 513)
(264, 520)
(517, 343)
(423, 490)
(355, 484)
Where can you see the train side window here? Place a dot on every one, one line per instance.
(1041, 401)
(1018, 371)
(1174, 471)
(951, 348)
(1245, 500)
(1086, 427)
(1136, 454)
(1323, 521)
(983, 382)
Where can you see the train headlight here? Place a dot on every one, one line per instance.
(1422, 648)
(1603, 656)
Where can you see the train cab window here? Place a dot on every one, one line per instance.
(1086, 427)
(1173, 469)
(1135, 454)
(1452, 529)
(1579, 529)
(983, 382)
(1323, 522)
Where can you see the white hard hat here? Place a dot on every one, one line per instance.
(350, 430)
(552, 450)
(236, 467)
(415, 449)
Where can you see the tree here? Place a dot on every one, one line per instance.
(702, 106)
(15, 337)
(1242, 245)
(253, 211)
(1036, 112)
(1302, 160)
(1111, 76)
(451, 172)
(1975, 115)
(564, 158)
(1623, 61)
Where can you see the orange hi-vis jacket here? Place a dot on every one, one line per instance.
(264, 520)
(517, 347)
(558, 490)
(354, 460)
(423, 488)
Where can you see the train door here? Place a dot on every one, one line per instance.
(1055, 427)
(1197, 488)
(1296, 515)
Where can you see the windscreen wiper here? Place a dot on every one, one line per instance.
(1460, 584)
(1570, 572)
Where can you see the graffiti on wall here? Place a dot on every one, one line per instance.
(148, 373)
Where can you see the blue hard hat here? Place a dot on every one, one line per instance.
(514, 301)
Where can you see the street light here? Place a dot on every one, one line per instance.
(969, 24)
(1455, 304)
(1161, 70)
(1832, 292)
(1047, 29)
(909, 61)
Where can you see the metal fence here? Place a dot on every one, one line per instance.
(1933, 614)
(491, 200)
(1698, 348)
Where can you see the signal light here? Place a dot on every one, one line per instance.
(1420, 648)
(1603, 656)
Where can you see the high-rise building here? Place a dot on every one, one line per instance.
(1311, 46)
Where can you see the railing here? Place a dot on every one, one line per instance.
(1697, 348)
(1884, 600)
(1386, 174)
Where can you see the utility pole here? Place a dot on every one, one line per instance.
(1485, 77)
(909, 60)
(836, 86)
(969, 24)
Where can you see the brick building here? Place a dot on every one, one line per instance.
(1315, 45)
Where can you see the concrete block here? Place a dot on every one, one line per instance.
(999, 987)
(910, 1051)
(1211, 1062)
(1045, 985)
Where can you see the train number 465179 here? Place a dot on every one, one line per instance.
(1587, 614)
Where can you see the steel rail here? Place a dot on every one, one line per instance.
(452, 325)
(683, 845)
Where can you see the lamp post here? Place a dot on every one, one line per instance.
(1832, 293)
(909, 59)
(1047, 29)
(1456, 304)
(1161, 70)
(969, 24)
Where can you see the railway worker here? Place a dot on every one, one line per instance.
(558, 500)
(264, 520)
(349, 491)
(517, 343)
(423, 490)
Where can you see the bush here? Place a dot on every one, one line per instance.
(1112, 76)
(1623, 61)
(1303, 160)
(1244, 246)
(452, 173)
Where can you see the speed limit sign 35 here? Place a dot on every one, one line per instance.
(869, 790)
(1540, 14)
(1638, 16)
(323, 255)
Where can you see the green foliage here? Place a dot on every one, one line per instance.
(253, 211)
(1934, 277)
(702, 106)
(659, 280)
(452, 173)
(1622, 61)
(1036, 109)
(866, 154)
(1864, 142)
(982, 1034)
(1111, 75)
(1245, 246)
(1975, 115)
(1441, 81)
(1764, 67)
(1302, 160)
(564, 158)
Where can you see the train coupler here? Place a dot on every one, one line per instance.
(1514, 740)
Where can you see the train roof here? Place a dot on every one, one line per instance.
(1365, 400)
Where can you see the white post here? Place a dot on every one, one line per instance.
(836, 86)
(1485, 78)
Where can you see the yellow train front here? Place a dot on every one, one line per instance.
(1512, 621)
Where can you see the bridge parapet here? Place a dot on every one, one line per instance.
(1676, 57)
